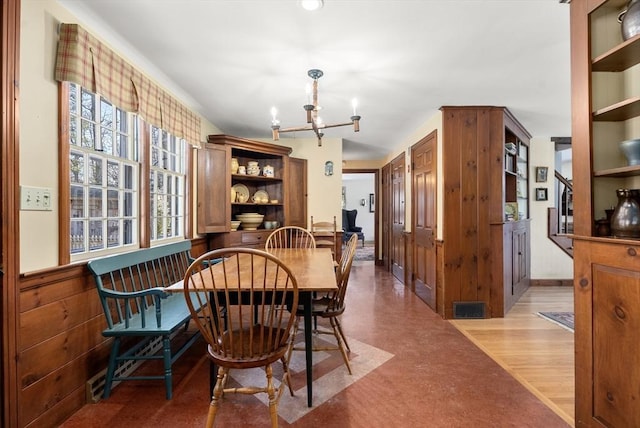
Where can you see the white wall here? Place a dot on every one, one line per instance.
(547, 260)
(39, 126)
(359, 187)
(324, 191)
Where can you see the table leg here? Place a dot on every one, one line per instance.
(308, 344)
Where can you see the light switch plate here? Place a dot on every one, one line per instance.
(35, 198)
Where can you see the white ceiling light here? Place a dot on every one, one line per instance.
(311, 4)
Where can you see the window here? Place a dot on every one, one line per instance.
(103, 175)
(167, 185)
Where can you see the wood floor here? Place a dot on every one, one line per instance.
(537, 352)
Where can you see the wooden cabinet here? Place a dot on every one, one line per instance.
(486, 233)
(286, 189)
(605, 111)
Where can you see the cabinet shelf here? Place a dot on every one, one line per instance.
(624, 171)
(617, 112)
(619, 58)
(248, 204)
(246, 177)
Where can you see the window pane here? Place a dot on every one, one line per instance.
(154, 157)
(113, 233)
(121, 146)
(95, 170)
(128, 177)
(121, 120)
(73, 130)
(88, 134)
(95, 202)
(113, 203)
(76, 167)
(128, 205)
(158, 228)
(113, 174)
(77, 202)
(73, 99)
(106, 114)
(77, 237)
(127, 232)
(88, 105)
(106, 141)
(95, 235)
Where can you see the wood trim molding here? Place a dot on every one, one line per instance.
(376, 215)
(551, 283)
(9, 197)
(64, 209)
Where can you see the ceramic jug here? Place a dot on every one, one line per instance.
(630, 20)
(625, 221)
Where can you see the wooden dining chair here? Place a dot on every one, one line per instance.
(332, 305)
(240, 321)
(325, 234)
(290, 237)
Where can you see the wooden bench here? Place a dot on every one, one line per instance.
(130, 287)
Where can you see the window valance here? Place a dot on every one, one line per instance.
(84, 60)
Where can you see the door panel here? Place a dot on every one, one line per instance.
(397, 217)
(423, 159)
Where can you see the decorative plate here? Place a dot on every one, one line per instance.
(261, 197)
(242, 193)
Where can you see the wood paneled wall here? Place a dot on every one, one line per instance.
(60, 342)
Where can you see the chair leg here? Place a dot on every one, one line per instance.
(287, 376)
(341, 346)
(115, 349)
(344, 338)
(168, 377)
(218, 390)
(273, 398)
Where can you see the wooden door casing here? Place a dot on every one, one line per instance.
(424, 173)
(398, 217)
(297, 183)
(386, 215)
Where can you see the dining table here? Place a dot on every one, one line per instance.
(314, 271)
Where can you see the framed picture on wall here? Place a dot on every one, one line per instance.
(372, 202)
(541, 194)
(541, 174)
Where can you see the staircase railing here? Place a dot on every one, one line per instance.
(560, 217)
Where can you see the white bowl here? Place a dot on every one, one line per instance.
(250, 221)
(235, 224)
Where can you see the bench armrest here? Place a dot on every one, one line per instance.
(157, 291)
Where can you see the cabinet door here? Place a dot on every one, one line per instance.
(296, 193)
(214, 184)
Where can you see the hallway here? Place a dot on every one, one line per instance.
(411, 368)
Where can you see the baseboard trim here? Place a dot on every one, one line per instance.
(551, 282)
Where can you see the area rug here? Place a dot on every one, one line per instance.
(330, 375)
(563, 319)
(364, 253)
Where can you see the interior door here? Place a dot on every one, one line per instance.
(398, 217)
(423, 159)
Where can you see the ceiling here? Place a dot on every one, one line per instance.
(233, 60)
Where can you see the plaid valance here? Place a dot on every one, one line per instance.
(84, 60)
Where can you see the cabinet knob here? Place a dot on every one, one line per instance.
(632, 251)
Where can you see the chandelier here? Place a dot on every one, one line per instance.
(314, 121)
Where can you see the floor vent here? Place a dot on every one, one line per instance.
(470, 310)
(95, 385)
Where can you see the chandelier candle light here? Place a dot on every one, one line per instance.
(315, 122)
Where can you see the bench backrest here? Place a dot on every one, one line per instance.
(130, 283)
